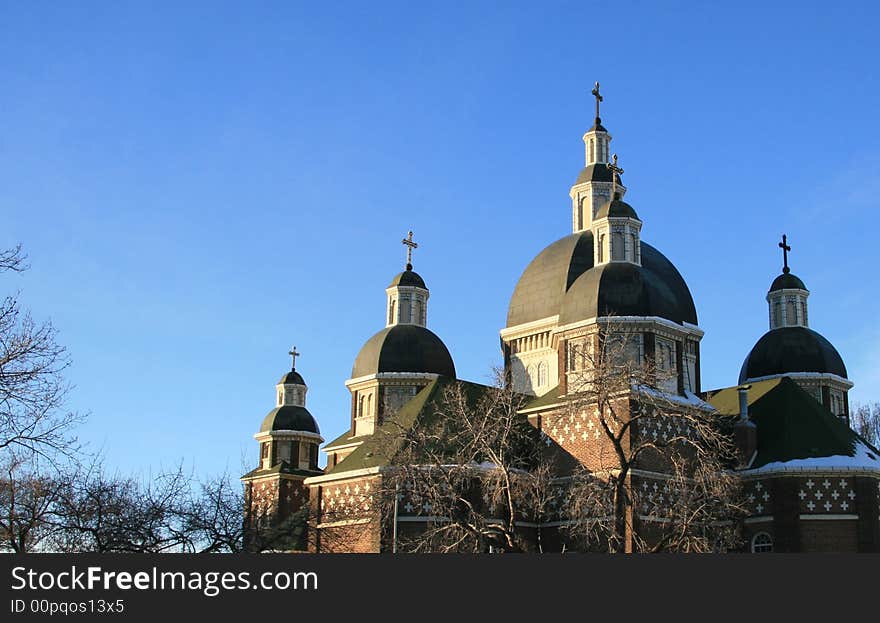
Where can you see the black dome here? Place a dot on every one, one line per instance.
(290, 417)
(616, 208)
(292, 378)
(597, 172)
(787, 281)
(408, 278)
(403, 348)
(659, 289)
(791, 349)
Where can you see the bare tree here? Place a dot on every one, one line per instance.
(866, 421)
(27, 499)
(99, 512)
(471, 473)
(32, 389)
(659, 473)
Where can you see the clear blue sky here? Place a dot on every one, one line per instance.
(201, 185)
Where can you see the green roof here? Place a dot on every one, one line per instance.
(281, 468)
(791, 424)
(549, 399)
(379, 448)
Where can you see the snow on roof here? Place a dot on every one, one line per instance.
(864, 459)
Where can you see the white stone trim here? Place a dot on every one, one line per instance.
(356, 473)
(344, 522)
(826, 517)
(820, 376)
(430, 376)
(527, 328)
(761, 519)
(299, 434)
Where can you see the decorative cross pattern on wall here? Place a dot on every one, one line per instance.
(827, 495)
(758, 498)
(348, 499)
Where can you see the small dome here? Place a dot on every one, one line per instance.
(787, 281)
(616, 208)
(292, 378)
(546, 280)
(403, 348)
(408, 278)
(598, 172)
(791, 349)
(290, 417)
(624, 289)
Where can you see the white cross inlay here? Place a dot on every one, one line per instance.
(851, 495)
(759, 486)
(810, 505)
(409, 507)
(766, 496)
(844, 505)
(826, 484)
(827, 506)
(835, 494)
(760, 508)
(802, 495)
(819, 495)
(810, 483)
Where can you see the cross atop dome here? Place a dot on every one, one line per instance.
(410, 245)
(599, 98)
(785, 249)
(615, 171)
(293, 355)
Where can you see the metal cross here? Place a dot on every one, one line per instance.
(293, 354)
(614, 170)
(599, 98)
(785, 249)
(410, 245)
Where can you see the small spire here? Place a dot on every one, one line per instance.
(615, 171)
(410, 245)
(785, 249)
(293, 355)
(599, 98)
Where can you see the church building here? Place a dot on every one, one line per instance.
(811, 483)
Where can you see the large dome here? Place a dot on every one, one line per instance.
(290, 417)
(403, 348)
(562, 280)
(791, 349)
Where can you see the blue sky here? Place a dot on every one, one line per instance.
(201, 185)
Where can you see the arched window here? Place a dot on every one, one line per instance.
(791, 314)
(617, 252)
(780, 321)
(542, 374)
(417, 315)
(360, 410)
(592, 150)
(280, 397)
(405, 309)
(530, 374)
(391, 311)
(762, 543)
(369, 404)
(634, 241)
(804, 313)
(601, 247)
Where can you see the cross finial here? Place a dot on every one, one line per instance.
(599, 98)
(615, 171)
(410, 245)
(293, 354)
(785, 249)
